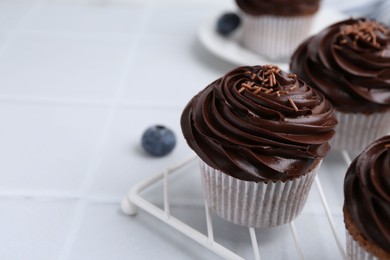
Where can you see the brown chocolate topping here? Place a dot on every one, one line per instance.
(270, 126)
(367, 193)
(362, 241)
(350, 63)
(279, 7)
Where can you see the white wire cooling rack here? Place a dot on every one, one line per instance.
(134, 200)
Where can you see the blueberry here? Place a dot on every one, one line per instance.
(158, 140)
(227, 23)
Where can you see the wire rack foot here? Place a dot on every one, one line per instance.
(128, 207)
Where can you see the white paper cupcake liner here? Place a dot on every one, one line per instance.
(254, 204)
(356, 131)
(274, 37)
(355, 251)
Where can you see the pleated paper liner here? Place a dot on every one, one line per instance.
(254, 204)
(355, 131)
(274, 37)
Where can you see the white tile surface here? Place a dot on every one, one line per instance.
(32, 229)
(41, 65)
(11, 14)
(316, 236)
(123, 147)
(100, 19)
(47, 147)
(166, 45)
(165, 74)
(3, 38)
(186, 20)
(107, 234)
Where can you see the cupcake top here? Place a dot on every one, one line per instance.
(259, 124)
(350, 63)
(279, 7)
(367, 193)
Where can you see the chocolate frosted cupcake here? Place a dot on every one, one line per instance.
(260, 134)
(274, 28)
(367, 203)
(350, 63)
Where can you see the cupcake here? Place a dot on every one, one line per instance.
(274, 28)
(349, 62)
(367, 203)
(260, 134)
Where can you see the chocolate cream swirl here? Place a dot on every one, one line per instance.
(350, 63)
(279, 7)
(367, 193)
(259, 124)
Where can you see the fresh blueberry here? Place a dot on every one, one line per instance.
(227, 23)
(158, 140)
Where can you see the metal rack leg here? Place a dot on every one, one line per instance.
(347, 157)
(128, 207)
(209, 223)
(166, 198)
(296, 240)
(330, 218)
(255, 245)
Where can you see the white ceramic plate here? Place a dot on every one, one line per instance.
(229, 49)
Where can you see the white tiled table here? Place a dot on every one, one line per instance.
(79, 83)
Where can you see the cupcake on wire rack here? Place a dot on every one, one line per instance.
(274, 28)
(349, 62)
(367, 203)
(260, 134)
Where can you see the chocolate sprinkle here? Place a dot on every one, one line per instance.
(264, 81)
(364, 31)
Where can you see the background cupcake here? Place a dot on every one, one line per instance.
(274, 28)
(350, 63)
(260, 134)
(367, 203)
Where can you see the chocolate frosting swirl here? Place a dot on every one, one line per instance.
(367, 193)
(259, 124)
(350, 63)
(279, 7)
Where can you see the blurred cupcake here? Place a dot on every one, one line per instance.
(350, 63)
(274, 28)
(367, 203)
(260, 134)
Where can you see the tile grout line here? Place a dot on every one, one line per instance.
(64, 197)
(84, 102)
(56, 100)
(78, 215)
(78, 35)
(53, 197)
(96, 199)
